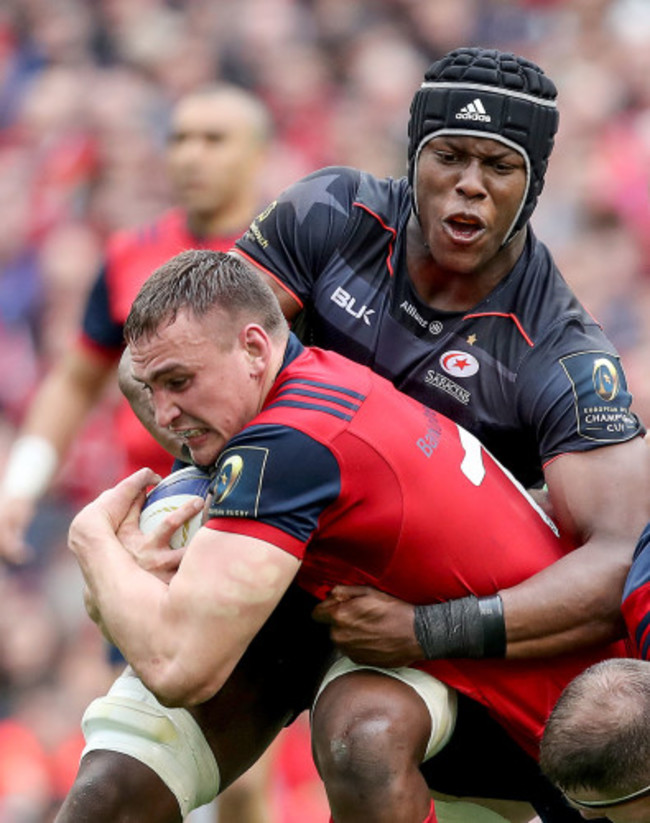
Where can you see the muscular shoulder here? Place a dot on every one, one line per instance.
(319, 393)
(341, 189)
(571, 382)
(548, 321)
(315, 211)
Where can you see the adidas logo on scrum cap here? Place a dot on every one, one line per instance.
(474, 111)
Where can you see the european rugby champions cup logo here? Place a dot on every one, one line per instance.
(601, 399)
(605, 379)
(228, 477)
(238, 484)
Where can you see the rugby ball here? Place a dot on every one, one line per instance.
(172, 491)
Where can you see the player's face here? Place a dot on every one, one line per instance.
(469, 190)
(204, 386)
(213, 154)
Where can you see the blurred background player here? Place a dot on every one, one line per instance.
(217, 146)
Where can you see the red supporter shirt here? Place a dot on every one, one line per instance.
(131, 256)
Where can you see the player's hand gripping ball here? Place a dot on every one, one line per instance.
(172, 491)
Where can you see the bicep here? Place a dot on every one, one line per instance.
(602, 491)
(226, 587)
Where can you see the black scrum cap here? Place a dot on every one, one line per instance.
(492, 94)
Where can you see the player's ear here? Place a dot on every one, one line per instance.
(257, 345)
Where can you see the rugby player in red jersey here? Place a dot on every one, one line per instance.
(325, 473)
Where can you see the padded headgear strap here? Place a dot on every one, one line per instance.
(491, 94)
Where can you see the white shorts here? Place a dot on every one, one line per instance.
(131, 721)
(439, 699)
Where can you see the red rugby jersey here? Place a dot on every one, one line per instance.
(368, 486)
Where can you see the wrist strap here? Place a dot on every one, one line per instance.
(466, 627)
(30, 467)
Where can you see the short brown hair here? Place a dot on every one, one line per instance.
(200, 281)
(598, 735)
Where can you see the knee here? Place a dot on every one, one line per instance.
(363, 741)
(97, 788)
(110, 788)
(359, 748)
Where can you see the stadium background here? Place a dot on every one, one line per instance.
(85, 90)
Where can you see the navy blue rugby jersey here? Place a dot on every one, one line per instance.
(527, 370)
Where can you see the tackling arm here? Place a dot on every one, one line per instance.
(142, 407)
(183, 639)
(601, 497)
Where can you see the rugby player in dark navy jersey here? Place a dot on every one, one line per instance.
(463, 277)
(442, 286)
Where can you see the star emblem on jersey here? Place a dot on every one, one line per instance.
(315, 192)
(471, 339)
(459, 363)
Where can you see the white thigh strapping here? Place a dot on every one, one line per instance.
(131, 721)
(439, 699)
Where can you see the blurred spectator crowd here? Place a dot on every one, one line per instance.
(86, 87)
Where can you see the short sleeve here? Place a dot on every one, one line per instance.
(277, 476)
(573, 392)
(98, 325)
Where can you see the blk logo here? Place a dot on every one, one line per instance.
(344, 300)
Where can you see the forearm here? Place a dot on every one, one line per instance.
(466, 627)
(55, 416)
(66, 397)
(124, 601)
(600, 497)
(165, 630)
(93, 612)
(572, 604)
